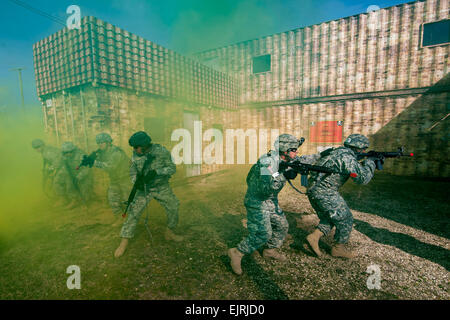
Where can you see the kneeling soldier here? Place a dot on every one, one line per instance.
(79, 181)
(51, 170)
(266, 222)
(154, 163)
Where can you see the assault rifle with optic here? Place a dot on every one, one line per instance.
(379, 156)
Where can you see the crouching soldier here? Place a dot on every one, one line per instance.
(323, 192)
(116, 163)
(154, 163)
(79, 180)
(52, 163)
(266, 222)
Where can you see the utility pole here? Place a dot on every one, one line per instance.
(21, 86)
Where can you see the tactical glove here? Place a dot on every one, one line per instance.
(89, 160)
(290, 174)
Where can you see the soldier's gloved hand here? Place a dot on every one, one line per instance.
(93, 155)
(282, 166)
(290, 174)
(89, 160)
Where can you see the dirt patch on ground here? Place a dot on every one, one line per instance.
(401, 225)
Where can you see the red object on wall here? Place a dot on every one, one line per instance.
(326, 131)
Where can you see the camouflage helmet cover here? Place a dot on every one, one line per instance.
(357, 141)
(140, 139)
(67, 147)
(36, 143)
(102, 138)
(287, 141)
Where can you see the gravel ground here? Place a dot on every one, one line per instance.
(413, 264)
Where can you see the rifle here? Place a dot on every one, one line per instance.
(380, 156)
(88, 160)
(141, 179)
(304, 168)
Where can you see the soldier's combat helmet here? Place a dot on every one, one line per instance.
(287, 141)
(36, 143)
(357, 141)
(140, 139)
(67, 147)
(102, 138)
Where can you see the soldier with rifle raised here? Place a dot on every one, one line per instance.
(116, 163)
(323, 191)
(150, 171)
(266, 222)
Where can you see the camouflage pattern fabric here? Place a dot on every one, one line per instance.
(82, 177)
(52, 169)
(117, 164)
(323, 190)
(158, 188)
(266, 222)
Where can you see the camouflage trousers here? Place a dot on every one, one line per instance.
(333, 211)
(164, 195)
(64, 186)
(118, 192)
(264, 227)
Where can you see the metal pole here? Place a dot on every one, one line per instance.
(19, 70)
(118, 118)
(65, 114)
(71, 116)
(84, 120)
(21, 89)
(44, 111)
(56, 121)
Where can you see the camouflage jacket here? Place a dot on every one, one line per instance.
(115, 162)
(52, 159)
(345, 161)
(161, 162)
(264, 183)
(71, 164)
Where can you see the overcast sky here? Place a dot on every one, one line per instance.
(184, 26)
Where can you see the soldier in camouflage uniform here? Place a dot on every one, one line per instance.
(116, 163)
(52, 166)
(155, 163)
(78, 181)
(266, 222)
(323, 192)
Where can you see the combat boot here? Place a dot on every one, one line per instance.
(121, 249)
(274, 254)
(236, 257)
(313, 241)
(339, 250)
(172, 236)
